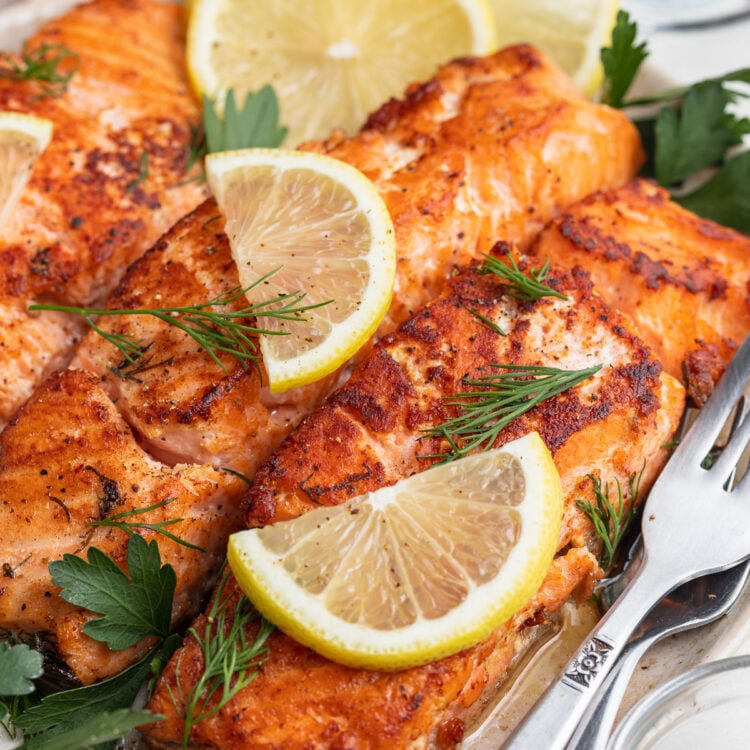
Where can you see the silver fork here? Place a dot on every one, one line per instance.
(695, 603)
(694, 522)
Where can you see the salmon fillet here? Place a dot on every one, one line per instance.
(111, 181)
(68, 459)
(491, 147)
(370, 433)
(182, 404)
(684, 280)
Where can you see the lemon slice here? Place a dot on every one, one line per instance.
(324, 230)
(412, 572)
(331, 64)
(22, 139)
(571, 33)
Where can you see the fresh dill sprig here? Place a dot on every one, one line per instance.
(126, 370)
(611, 521)
(197, 147)
(520, 285)
(246, 479)
(214, 331)
(231, 660)
(51, 65)
(117, 521)
(504, 396)
(143, 171)
(487, 322)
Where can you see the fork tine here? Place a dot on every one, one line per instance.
(726, 464)
(712, 417)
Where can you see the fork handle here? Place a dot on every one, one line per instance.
(594, 732)
(552, 721)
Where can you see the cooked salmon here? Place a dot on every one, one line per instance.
(371, 433)
(111, 181)
(68, 459)
(684, 280)
(183, 405)
(491, 147)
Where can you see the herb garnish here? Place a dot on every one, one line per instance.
(214, 331)
(143, 171)
(622, 60)
(230, 660)
(524, 286)
(19, 666)
(85, 716)
(255, 124)
(122, 521)
(692, 130)
(51, 65)
(505, 396)
(611, 521)
(127, 370)
(133, 606)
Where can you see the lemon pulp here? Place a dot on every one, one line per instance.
(318, 226)
(412, 572)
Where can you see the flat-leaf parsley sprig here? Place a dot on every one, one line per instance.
(92, 715)
(686, 130)
(133, 606)
(500, 398)
(255, 124)
(19, 667)
(215, 331)
(231, 659)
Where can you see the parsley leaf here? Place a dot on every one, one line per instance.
(622, 60)
(695, 136)
(19, 665)
(133, 607)
(67, 709)
(256, 124)
(92, 732)
(725, 198)
(693, 130)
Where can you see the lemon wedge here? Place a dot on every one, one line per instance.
(413, 572)
(319, 227)
(331, 64)
(22, 139)
(571, 33)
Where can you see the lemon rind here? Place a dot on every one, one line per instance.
(304, 618)
(357, 329)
